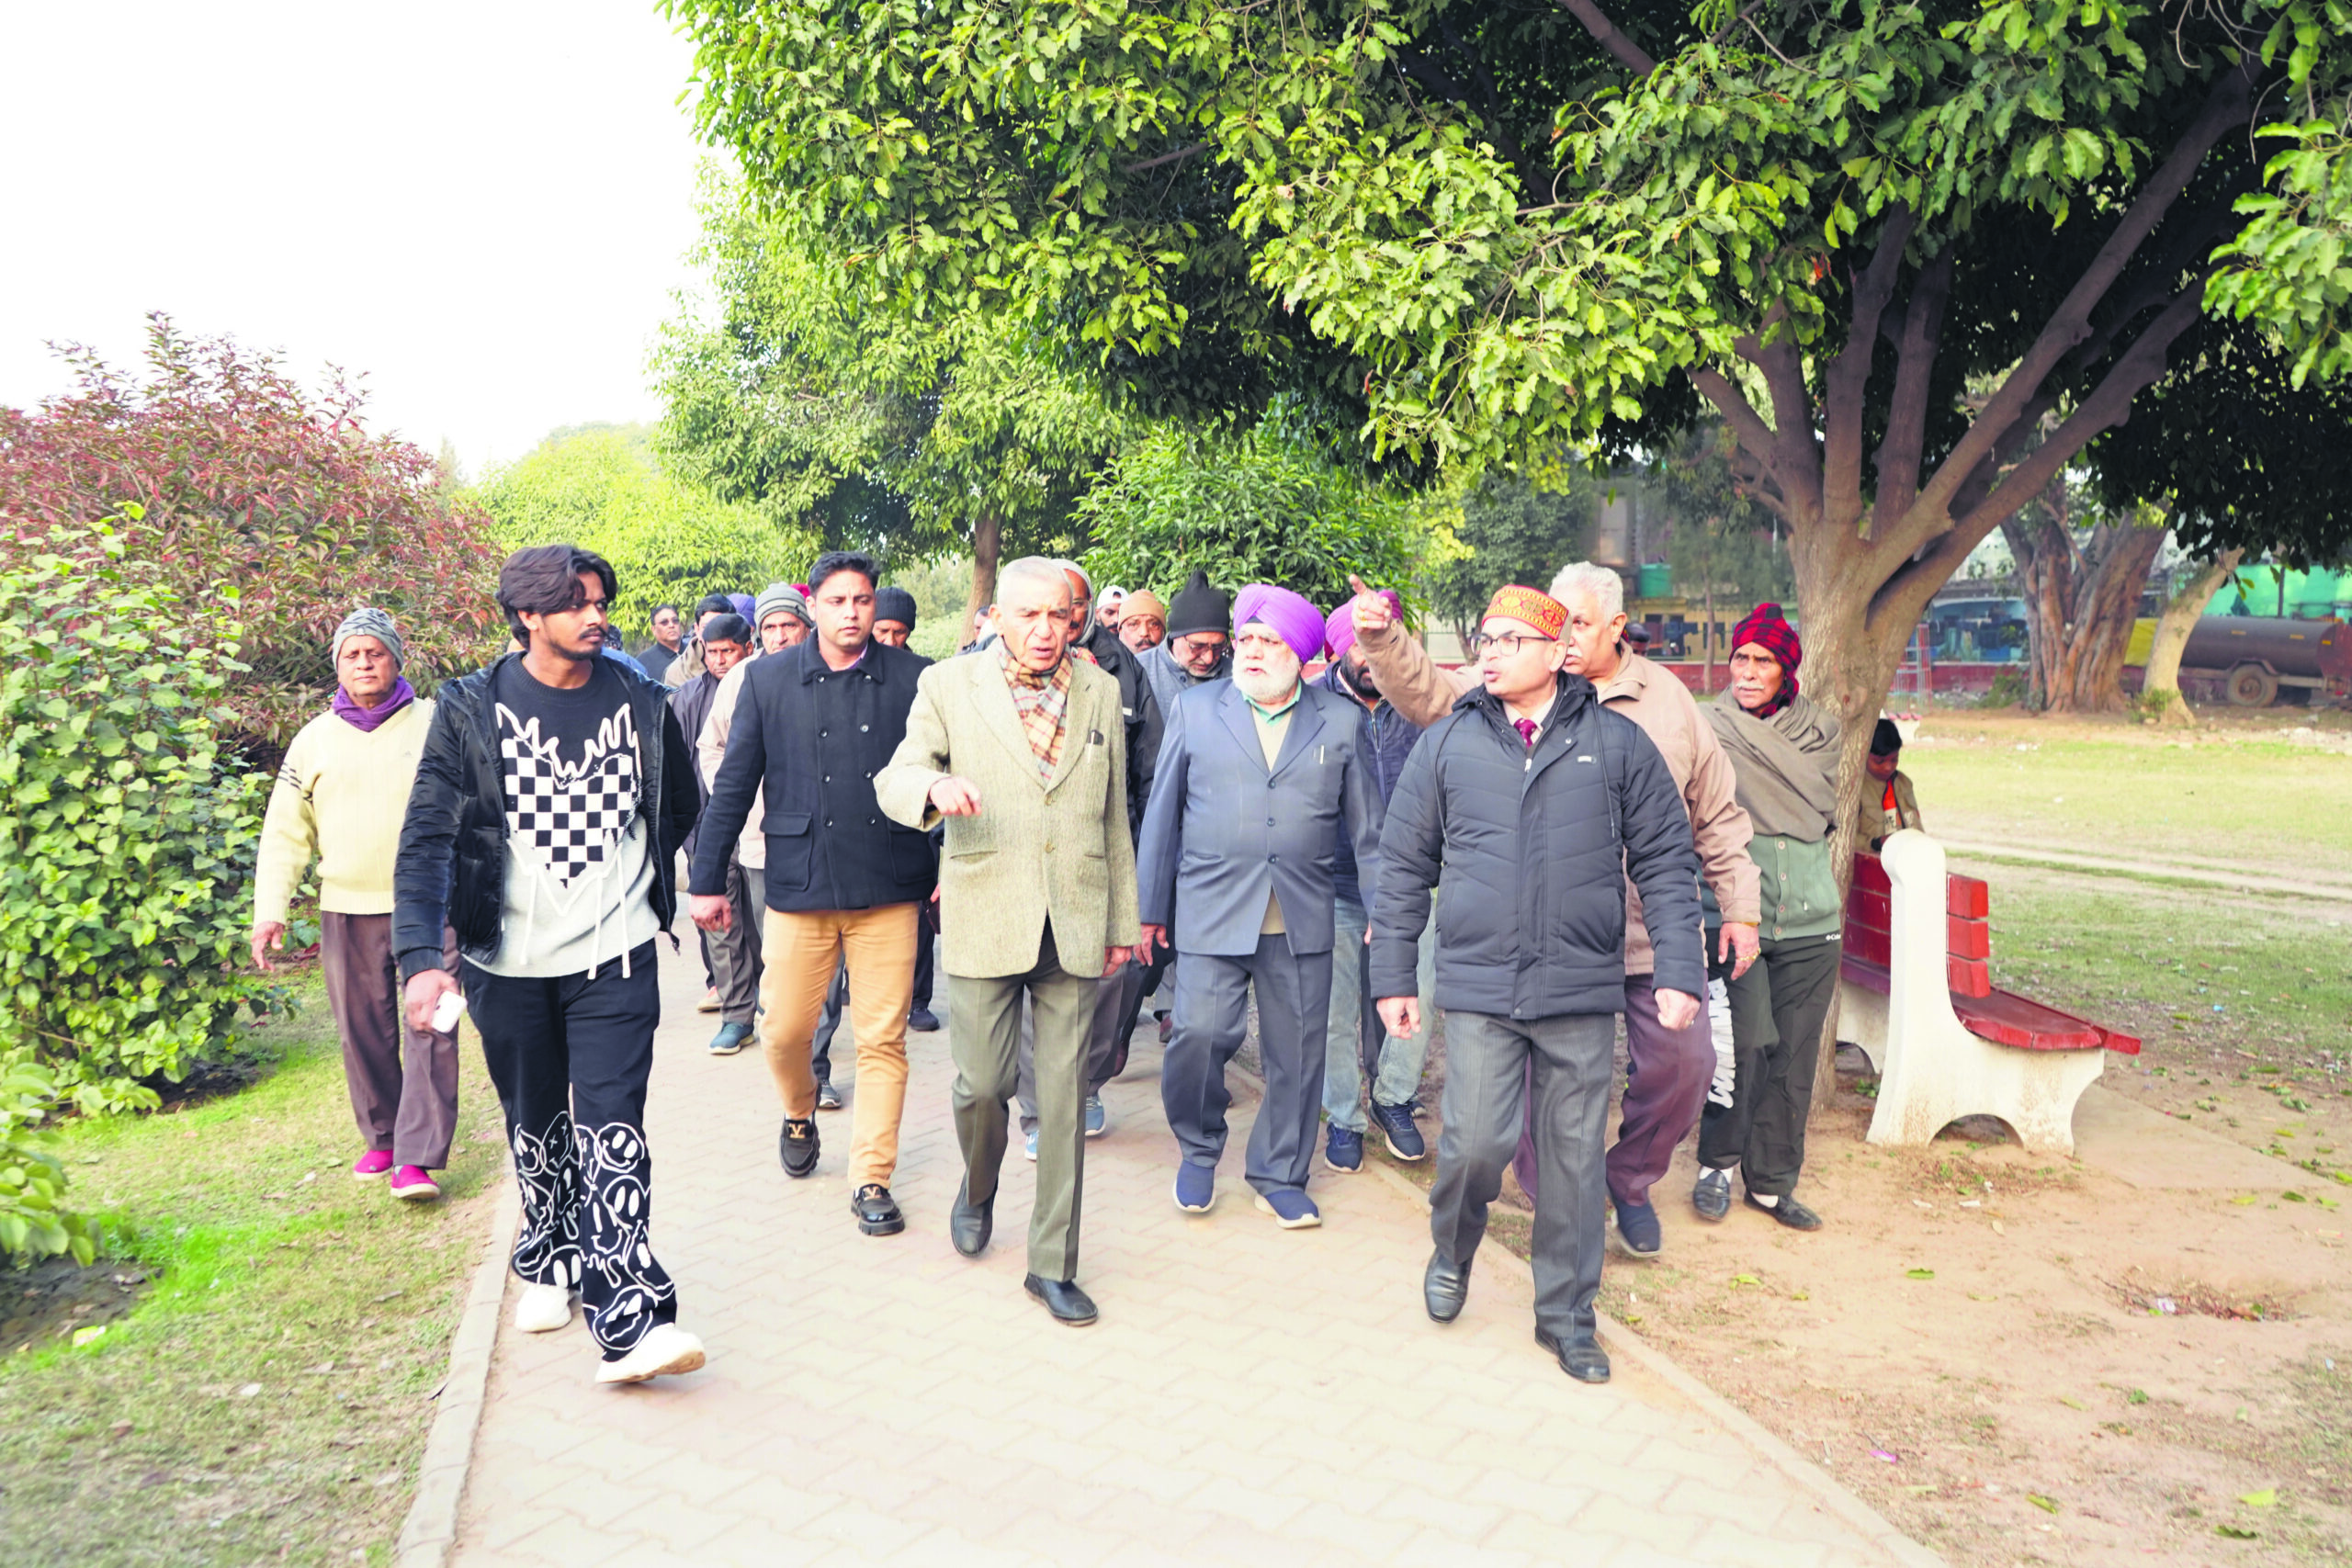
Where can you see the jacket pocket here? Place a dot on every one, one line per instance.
(910, 855)
(790, 848)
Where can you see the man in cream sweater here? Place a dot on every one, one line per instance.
(340, 797)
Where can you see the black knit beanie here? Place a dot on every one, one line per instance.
(1200, 608)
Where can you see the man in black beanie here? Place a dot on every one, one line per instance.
(894, 616)
(1198, 649)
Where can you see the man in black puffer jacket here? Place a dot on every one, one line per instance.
(1527, 808)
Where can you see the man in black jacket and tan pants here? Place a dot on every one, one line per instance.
(812, 726)
(553, 791)
(1527, 806)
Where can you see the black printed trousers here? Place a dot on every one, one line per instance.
(570, 1057)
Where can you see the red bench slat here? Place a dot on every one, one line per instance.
(1967, 939)
(1970, 897)
(1968, 976)
(2006, 1018)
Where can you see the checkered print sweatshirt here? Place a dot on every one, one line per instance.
(579, 873)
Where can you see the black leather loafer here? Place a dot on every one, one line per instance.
(1063, 1299)
(1789, 1212)
(878, 1214)
(969, 1223)
(1444, 1288)
(797, 1147)
(1580, 1355)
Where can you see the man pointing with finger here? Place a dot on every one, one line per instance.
(1526, 807)
(1022, 751)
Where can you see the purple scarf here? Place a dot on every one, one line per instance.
(364, 720)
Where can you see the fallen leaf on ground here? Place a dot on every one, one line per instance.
(2072, 1403)
(2235, 1533)
(1921, 1274)
(2262, 1499)
(2047, 1505)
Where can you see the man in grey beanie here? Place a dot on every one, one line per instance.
(781, 617)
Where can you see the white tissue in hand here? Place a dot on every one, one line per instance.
(445, 1011)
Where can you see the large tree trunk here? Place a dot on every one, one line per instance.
(2160, 688)
(2106, 605)
(988, 544)
(2081, 601)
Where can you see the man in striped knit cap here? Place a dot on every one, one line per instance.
(339, 798)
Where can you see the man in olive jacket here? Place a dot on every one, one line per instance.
(1526, 808)
(1022, 751)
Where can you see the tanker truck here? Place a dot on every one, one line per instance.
(2250, 659)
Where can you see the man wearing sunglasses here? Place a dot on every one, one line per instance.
(1526, 807)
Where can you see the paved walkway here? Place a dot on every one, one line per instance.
(1251, 1394)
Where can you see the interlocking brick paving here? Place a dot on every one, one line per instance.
(1251, 1394)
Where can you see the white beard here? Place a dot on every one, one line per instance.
(1272, 688)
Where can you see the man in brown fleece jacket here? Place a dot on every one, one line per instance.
(1668, 1071)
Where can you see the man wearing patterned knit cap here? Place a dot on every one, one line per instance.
(1258, 779)
(339, 796)
(1526, 807)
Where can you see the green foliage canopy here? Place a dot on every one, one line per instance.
(883, 429)
(1511, 529)
(1254, 508)
(669, 542)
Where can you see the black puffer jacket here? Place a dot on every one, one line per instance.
(451, 869)
(1529, 854)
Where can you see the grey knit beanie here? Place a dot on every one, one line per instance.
(368, 622)
(781, 597)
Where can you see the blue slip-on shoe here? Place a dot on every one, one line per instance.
(1196, 1186)
(1397, 1129)
(1343, 1150)
(1292, 1210)
(1638, 1230)
(1029, 1145)
(1098, 1121)
(731, 1038)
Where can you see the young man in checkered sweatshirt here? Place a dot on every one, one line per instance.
(554, 789)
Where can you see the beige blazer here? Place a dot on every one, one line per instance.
(1037, 848)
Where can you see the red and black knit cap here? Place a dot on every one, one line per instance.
(1769, 630)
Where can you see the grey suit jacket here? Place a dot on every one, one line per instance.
(1039, 849)
(1224, 830)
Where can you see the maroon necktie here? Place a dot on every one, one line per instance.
(1526, 728)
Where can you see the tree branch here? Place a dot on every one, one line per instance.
(2109, 405)
(2225, 107)
(1796, 460)
(1898, 455)
(1755, 436)
(1841, 399)
(1181, 154)
(1604, 33)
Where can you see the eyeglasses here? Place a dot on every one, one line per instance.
(1505, 642)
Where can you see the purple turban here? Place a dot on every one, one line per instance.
(1286, 615)
(742, 603)
(1340, 631)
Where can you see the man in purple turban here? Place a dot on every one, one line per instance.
(1259, 777)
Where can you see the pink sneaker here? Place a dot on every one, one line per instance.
(409, 1181)
(372, 1164)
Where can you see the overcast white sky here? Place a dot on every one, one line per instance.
(483, 206)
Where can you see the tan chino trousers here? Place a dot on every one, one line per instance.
(801, 950)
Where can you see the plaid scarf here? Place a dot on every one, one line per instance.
(1043, 704)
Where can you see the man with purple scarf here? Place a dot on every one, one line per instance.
(340, 796)
(1258, 779)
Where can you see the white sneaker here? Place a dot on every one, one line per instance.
(543, 1309)
(666, 1349)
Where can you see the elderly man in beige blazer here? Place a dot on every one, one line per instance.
(1020, 749)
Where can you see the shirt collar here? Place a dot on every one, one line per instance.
(814, 664)
(1267, 715)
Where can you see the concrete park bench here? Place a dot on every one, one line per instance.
(1917, 997)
